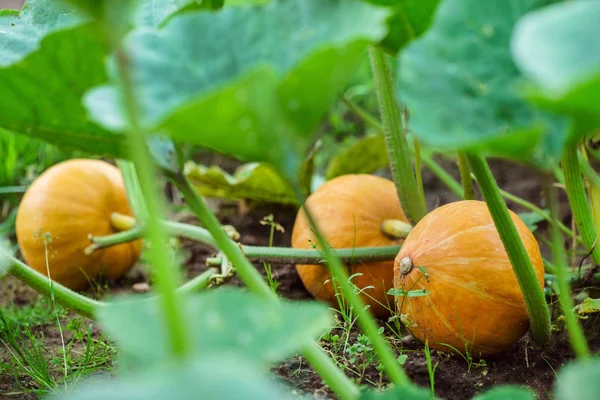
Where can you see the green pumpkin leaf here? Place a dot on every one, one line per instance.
(21, 32)
(215, 376)
(256, 86)
(44, 77)
(222, 321)
(462, 88)
(531, 219)
(579, 381)
(409, 19)
(506, 392)
(365, 156)
(409, 392)
(553, 47)
(253, 181)
(157, 12)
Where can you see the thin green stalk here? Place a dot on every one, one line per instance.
(579, 203)
(365, 319)
(419, 174)
(533, 294)
(574, 330)
(465, 176)
(323, 365)
(165, 274)
(64, 296)
(398, 150)
(101, 242)
(443, 176)
(533, 208)
(363, 114)
(588, 171)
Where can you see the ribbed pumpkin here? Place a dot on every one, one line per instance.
(475, 302)
(349, 210)
(61, 209)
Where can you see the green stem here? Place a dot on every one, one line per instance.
(465, 176)
(364, 317)
(198, 283)
(165, 274)
(13, 189)
(579, 203)
(533, 294)
(133, 189)
(258, 253)
(64, 296)
(76, 302)
(574, 330)
(398, 150)
(323, 365)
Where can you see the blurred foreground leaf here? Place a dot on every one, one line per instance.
(579, 381)
(222, 321)
(410, 392)
(209, 377)
(506, 392)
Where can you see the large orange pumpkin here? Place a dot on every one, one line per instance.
(61, 209)
(350, 210)
(475, 302)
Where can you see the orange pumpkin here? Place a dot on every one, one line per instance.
(350, 210)
(61, 209)
(475, 302)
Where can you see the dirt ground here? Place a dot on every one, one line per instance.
(455, 379)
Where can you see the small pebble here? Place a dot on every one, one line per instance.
(141, 287)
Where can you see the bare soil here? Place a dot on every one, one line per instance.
(524, 364)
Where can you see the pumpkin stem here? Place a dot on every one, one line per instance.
(395, 228)
(122, 222)
(406, 265)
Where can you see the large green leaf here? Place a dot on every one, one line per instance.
(507, 392)
(258, 83)
(409, 20)
(462, 87)
(579, 381)
(44, 78)
(208, 377)
(252, 181)
(21, 33)
(558, 48)
(223, 321)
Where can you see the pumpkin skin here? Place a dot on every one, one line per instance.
(69, 202)
(475, 299)
(349, 211)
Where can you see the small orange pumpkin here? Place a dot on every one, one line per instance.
(61, 209)
(350, 210)
(475, 302)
